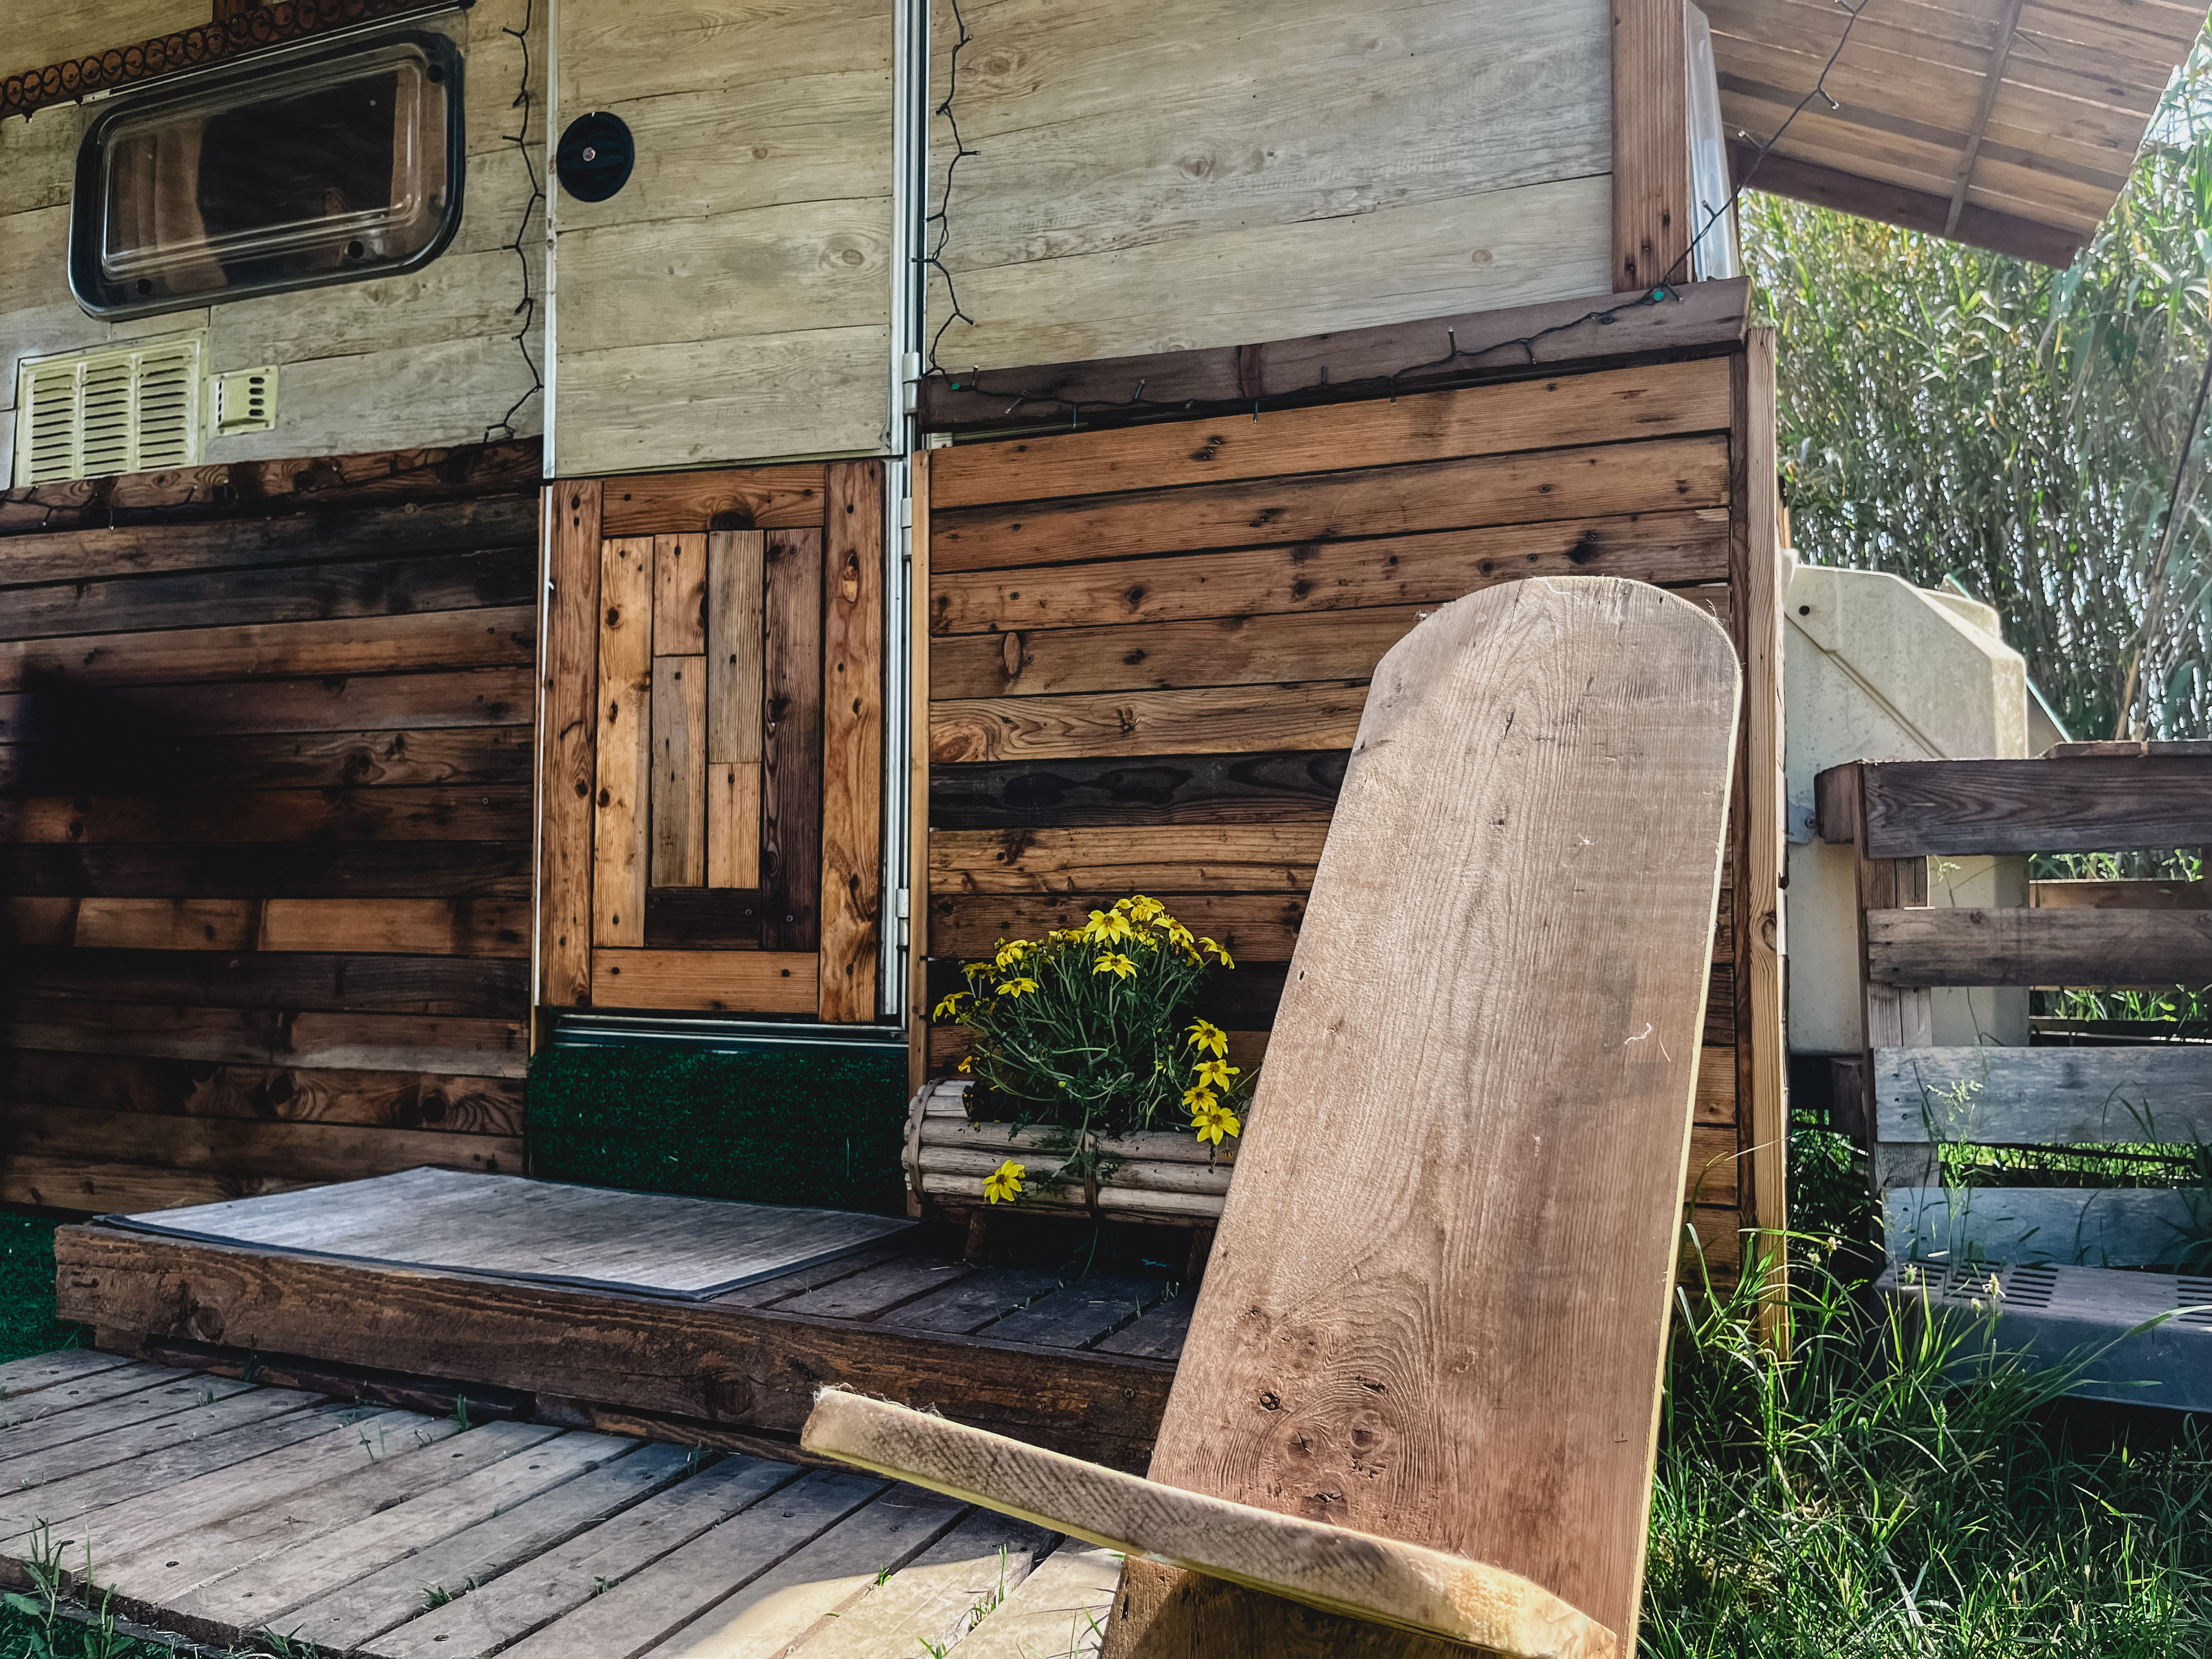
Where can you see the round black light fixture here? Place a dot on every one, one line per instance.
(595, 157)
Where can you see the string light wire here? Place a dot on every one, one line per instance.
(527, 308)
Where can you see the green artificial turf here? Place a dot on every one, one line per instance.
(27, 1325)
(810, 1126)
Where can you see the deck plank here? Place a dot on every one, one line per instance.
(814, 1586)
(975, 1301)
(1079, 1314)
(533, 1595)
(138, 1394)
(1057, 1612)
(129, 1531)
(342, 1620)
(193, 1448)
(264, 1594)
(19, 1377)
(880, 1289)
(775, 1292)
(935, 1598)
(642, 1610)
(1159, 1335)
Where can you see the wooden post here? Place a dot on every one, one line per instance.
(852, 739)
(917, 976)
(1762, 1070)
(1651, 210)
(568, 722)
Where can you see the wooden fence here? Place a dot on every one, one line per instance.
(1907, 1097)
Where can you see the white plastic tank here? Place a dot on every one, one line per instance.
(1876, 669)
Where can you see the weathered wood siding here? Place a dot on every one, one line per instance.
(265, 842)
(1150, 648)
(394, 362)
(1141, 180)
(732, 301)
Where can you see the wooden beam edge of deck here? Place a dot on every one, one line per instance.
(709, 1362)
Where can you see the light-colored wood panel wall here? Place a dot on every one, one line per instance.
(732, 301)
(1258, 172)
(394, 362)
(40, 31)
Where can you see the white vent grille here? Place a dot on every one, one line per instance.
(134, 409)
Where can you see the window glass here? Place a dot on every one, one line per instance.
(283, 174)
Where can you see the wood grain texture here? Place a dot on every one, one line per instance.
(1255, 926)
(1603, 683)
(708, 1361)
(791, 779)
(386, 1099)
(295, 1151)
(2119, 895)
(703, 918)
(1661, 401)
(1379, 1580)
(276, 761)
(767, 981)
(485, 638)
(274, 1038)
(2047, 1097)
(288, 981)
(1136, 859)
(1665, 475)
(1230, 718)
(569, 717)
(853, 610)
(462, 697)
(1666, 548)
(736, 562)
(733, 823)
(679, 856)
(322, 869)
(1357, 363)
(1651, 203)
(465, 927)
(2095, 804)
(746, 498)
(921, 810)
(621, 804)
(1933, 945)
(500, 813)
(679, 596)
(1291, 788)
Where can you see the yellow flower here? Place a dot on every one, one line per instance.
(1005, 1183)
(1112, 963)
(1216, 1122)
(948, 1007)
(1017, 988)
(1180, 936)
(1010, 952)
(1107, 927)
(975, 970)
(1198, 1100)
(1209, 1038)
(1216, 1073)
(1142, 909)
(966, 1065)
(1205, 944)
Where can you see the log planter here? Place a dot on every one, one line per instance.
(1162, 1177)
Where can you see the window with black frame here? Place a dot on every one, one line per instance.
(304, 167)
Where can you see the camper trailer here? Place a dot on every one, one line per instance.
(567, 563)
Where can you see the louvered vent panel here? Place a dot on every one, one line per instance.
(99, 413)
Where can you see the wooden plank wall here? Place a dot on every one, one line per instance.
(385, 364)
(1150, 647)
(732, 301)
(265, 788)
(712, 781)
(1132, 180)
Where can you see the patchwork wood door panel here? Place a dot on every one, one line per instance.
(702, 841)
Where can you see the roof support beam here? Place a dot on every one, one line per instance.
(1991, 82)
(1651, 144)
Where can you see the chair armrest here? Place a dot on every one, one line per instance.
(1380, 1580)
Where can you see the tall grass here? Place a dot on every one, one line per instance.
(1947, 412)
(1897, 1487)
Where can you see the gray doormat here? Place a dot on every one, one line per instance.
(652, 1244)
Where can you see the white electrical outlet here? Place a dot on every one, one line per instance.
(245, 400)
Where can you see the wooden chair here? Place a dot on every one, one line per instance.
(1420, 1393)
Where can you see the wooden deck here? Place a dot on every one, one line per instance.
(1079, 1364)
(220, 1509)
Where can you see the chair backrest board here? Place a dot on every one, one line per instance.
(1437, 1306)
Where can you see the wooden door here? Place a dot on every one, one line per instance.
(712, 713)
